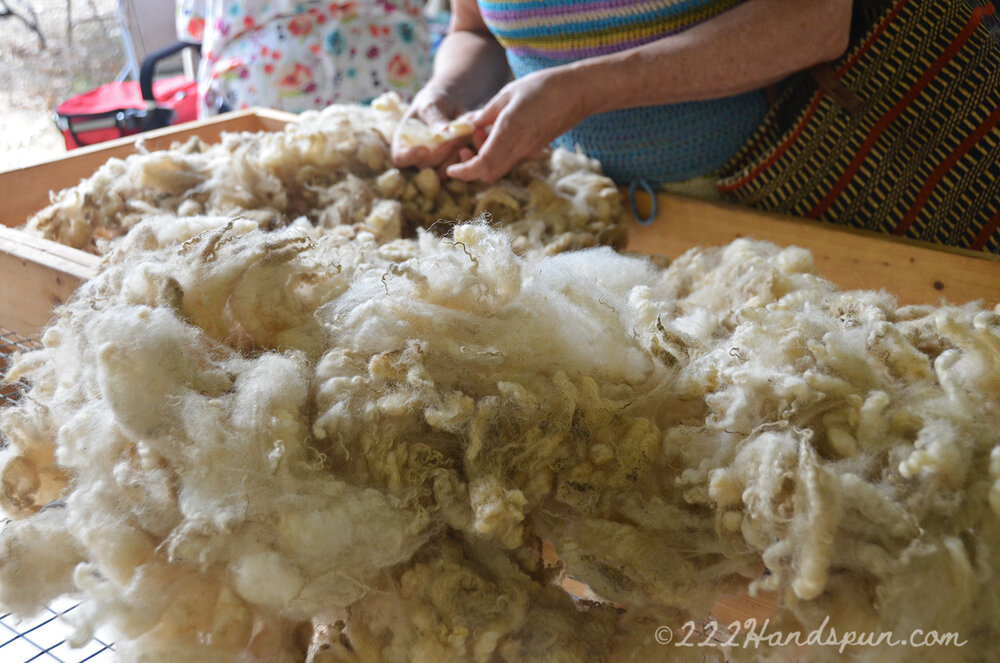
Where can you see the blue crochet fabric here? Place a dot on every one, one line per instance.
(667, 143)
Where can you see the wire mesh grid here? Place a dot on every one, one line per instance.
(42, 639)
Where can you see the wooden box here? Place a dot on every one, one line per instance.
(36, 274)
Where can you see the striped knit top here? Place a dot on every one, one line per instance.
(666, 143)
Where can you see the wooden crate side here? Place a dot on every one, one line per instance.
(37, 275)
(29, 187)
(269, 119)
(915, 273)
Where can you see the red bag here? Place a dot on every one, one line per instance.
(118, 109)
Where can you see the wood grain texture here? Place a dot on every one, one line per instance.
(37, 275)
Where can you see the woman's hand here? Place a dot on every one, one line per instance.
(434, 107)
(526, 115)
(469, 68)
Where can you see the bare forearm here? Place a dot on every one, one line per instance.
(748, 47)
(470, 67)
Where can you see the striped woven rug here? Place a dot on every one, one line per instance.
(900, 136)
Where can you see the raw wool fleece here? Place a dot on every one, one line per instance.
(332, 170)
(271, 447)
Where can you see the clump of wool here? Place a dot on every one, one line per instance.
(283, 446)
(332, 170)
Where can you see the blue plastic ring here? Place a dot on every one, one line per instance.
(634, 209)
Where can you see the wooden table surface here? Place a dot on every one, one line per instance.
(915, 273)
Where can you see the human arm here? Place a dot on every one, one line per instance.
(753, 45)
(469, 68)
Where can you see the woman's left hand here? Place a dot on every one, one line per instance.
(526, 115)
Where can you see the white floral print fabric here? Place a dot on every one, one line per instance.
(297, 56)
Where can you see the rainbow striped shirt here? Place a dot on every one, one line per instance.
(659, 143)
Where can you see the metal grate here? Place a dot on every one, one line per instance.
(42, 639)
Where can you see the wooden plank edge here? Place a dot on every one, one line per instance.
(915, 272)
(820, 226)
(70, 261)
(37, 275)
(273, 120)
